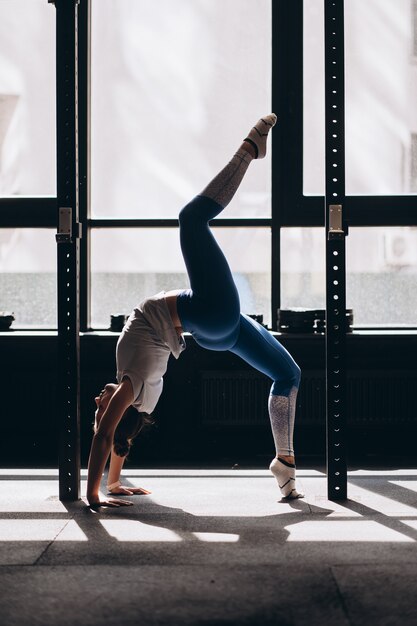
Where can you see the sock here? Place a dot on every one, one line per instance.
(284, 473)
(224, 186)
(259, 133)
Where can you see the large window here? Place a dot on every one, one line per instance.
(381, 84)
(174, 86)
(27, 159)
(380, 131)
(27, 98)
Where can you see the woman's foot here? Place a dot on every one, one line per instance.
(284, 473)
(256, 140)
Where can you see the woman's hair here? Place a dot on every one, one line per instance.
(128, 428)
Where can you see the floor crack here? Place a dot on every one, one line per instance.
(341, 597)
(42, 554)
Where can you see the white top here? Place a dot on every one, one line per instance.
(143, 349)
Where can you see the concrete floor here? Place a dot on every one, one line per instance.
(210, 547)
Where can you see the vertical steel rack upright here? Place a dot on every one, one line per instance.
(68, 244)
(336, 231)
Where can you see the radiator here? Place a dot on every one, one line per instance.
(378, 398)
(234, 398)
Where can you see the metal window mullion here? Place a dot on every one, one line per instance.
(335, 251)
(68, 255)
(84, 68)
(287, 139)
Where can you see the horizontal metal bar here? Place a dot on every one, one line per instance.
(28, 212)
(40, 212)
(362, 211)
(173, 223)
(382, 210)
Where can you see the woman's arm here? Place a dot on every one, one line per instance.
(116, 465)
(113, 480)
(103, 440)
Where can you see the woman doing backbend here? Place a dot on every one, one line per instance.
(210, 311)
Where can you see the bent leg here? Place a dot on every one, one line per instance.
(259, 348)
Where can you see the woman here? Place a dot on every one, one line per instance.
(210, 311)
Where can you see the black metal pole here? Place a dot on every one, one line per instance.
(336, 230)
(84, 39)
(68, 249)
(287, 103)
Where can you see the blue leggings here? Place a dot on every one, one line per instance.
(210, 310)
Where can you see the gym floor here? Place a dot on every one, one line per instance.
(211, 547)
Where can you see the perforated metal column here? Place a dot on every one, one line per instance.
(335, 251)
(68, 249)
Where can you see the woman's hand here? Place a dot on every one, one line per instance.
(129, 491)
(96, 503)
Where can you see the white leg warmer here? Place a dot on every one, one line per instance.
(282, 415)
(224, 186)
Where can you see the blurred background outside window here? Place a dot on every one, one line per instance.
(28, 276)
(115, 289)
(380, 280)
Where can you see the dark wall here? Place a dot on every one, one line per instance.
(214, 407)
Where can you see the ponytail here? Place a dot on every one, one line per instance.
(128, 428)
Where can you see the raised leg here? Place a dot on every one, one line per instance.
(210, 309)
(224, 186)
